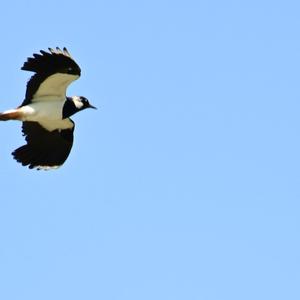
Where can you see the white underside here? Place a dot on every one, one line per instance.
(47, 103)
(48, 113)
(54, 85)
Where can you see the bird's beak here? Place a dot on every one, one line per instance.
(91, 106)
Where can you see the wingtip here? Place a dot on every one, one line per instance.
(58, 50)
(66, 52)
(43, 53)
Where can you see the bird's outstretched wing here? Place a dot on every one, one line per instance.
(54, 71)
(44, 149)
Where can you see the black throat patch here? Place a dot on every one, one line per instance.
(69, 108)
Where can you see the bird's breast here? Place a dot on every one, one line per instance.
(42, 110)
(48, 114)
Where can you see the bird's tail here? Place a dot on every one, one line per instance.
(12, 114)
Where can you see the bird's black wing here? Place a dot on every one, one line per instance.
(54, 71)
(44, 149)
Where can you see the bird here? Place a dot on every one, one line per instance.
(46, 110)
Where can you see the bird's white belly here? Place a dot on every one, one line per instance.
(47, 114)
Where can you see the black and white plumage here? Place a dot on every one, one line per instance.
(46, 110)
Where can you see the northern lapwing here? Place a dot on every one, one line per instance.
(46, 110)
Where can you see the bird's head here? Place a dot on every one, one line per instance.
(82, 103)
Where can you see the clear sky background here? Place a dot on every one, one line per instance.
(185, 183)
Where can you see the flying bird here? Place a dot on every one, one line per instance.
(46, 110)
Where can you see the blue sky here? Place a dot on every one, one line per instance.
(184, 184)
